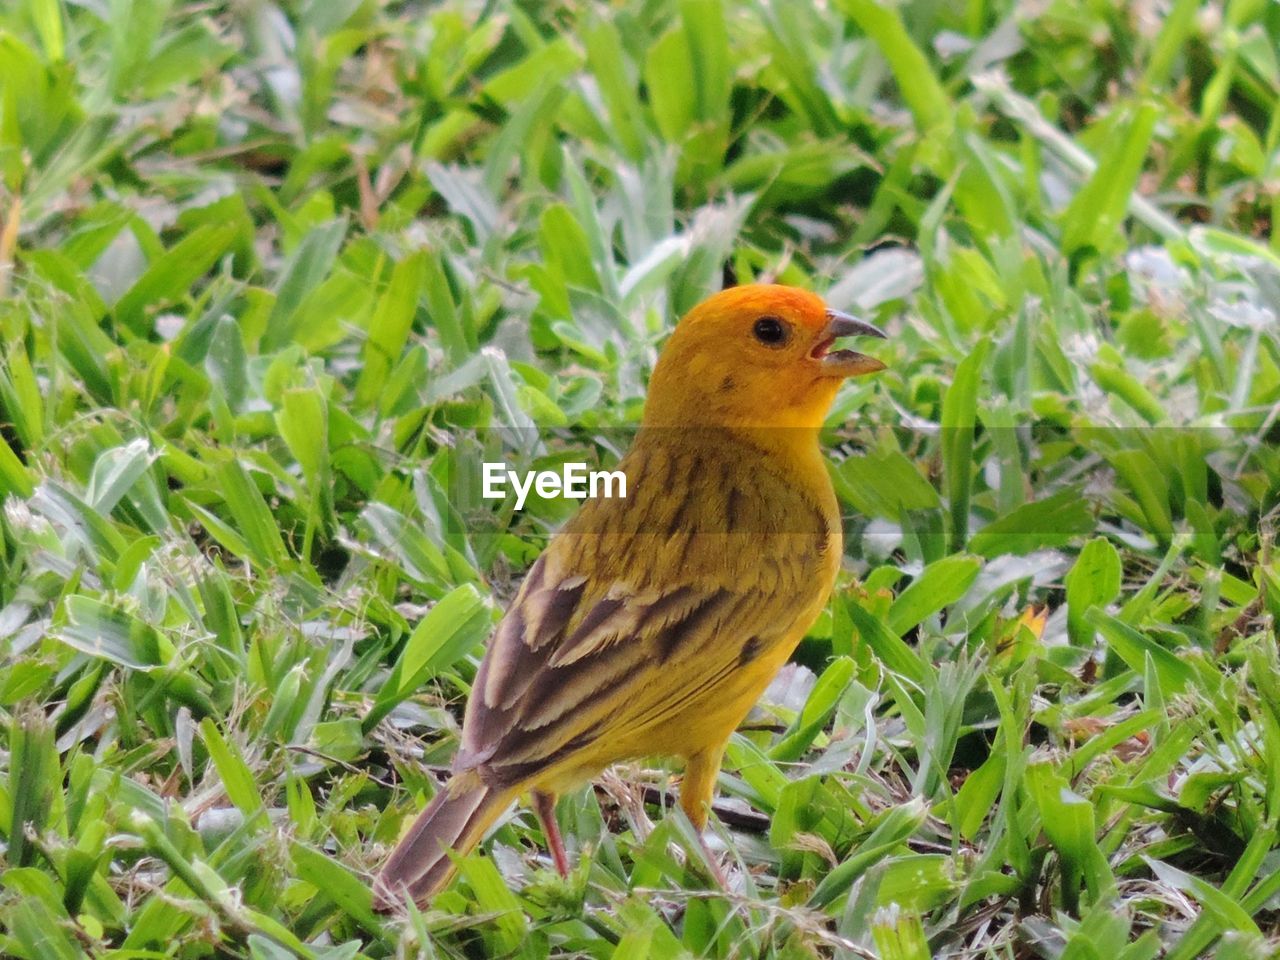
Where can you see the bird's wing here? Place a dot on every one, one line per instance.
(640, 607)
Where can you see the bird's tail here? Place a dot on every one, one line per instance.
(456, 819)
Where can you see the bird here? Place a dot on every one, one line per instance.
(652, 623)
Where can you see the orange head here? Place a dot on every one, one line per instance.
(759, 356)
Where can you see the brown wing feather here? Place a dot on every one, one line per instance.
(635, 610)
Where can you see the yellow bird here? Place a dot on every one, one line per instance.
(650, 625)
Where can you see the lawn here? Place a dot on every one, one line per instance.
(275, 280)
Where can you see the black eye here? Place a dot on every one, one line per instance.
(771, 331)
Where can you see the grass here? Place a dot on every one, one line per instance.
(273, 273)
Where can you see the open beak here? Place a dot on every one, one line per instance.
(846, 363)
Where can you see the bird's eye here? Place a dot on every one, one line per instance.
(771, 331)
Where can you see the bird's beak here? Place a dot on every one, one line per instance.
(846, 363)
(840, 324)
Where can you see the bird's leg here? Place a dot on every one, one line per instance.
(713, 863)
(697, 790)
(544, 805)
